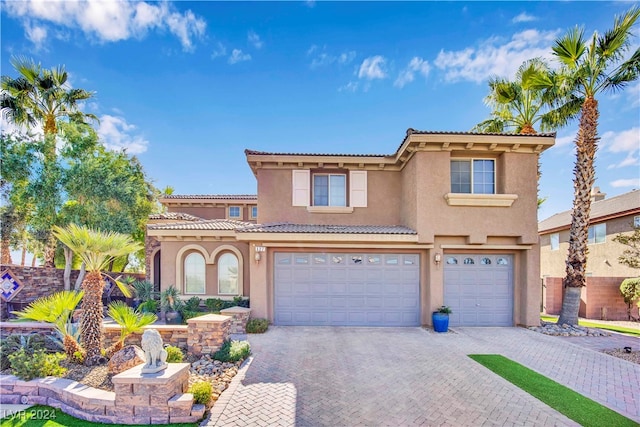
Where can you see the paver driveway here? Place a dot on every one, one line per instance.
(411, 376)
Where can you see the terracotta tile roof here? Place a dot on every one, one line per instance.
(601, 209)
(180, 216)
(214, 224)
(330, 229)
(410, 131)
(212, 196)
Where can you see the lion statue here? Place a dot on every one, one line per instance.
(154, 353)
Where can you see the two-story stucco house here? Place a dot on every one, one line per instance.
(360, 239)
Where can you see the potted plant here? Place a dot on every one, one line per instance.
(171, 305)
(440, 319)
(143, 291)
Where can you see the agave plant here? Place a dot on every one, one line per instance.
(130, 322)
(57, 309)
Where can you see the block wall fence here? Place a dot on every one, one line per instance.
(600, 299)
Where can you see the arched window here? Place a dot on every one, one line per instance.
(194, 274)
(228, 274)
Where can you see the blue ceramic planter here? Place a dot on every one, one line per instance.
(440, 322)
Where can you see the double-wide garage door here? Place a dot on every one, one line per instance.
(479, 289)
(347, 289)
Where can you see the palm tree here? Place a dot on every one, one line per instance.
(43, 97)
(96, 249)
(130, 322)
(588, 68)
(57, 309)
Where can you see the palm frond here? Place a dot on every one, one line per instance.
(56, 309)
(627, 72)
(129, 320)
(570, 47)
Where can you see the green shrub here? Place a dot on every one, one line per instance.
(174, 354)
(214, 304)
(149, 306)
(202, 392)
(29, 342)
(240, 302)
(37, 365)
(186, 315)
(232, 351)
(630, 290)
(257, 326)
(192, 304)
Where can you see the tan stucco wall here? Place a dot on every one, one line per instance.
(436, 217)
(275, 201)
(552, 263)
(213, 212)
(169, 261)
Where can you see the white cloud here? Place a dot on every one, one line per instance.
(632, 182)
(108, 21)
(36, 34)
(238, 56)
(633, 94)
(372, 68)
(523, 17)
(565, 140)
(255, 40)
(630, 160)
(495, 56)
(349, 87)
(416, 65)
(323, 58)
(117, 134)
(626, 141)
(218, 50)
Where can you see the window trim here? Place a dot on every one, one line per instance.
(551, 236)
(595, 236)
(471, 183)
(184, 272)
(238, 274)
(329, 175)
(251, 215)
(232, 216)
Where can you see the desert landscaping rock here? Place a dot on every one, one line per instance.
(565, 330)
(127, 358)
(218, 373)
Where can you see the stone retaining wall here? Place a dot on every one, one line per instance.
(150, 399)
(207, 333)
(240, 317)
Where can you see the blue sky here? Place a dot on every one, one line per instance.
(187, 86)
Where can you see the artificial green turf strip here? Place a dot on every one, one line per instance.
(614, 328)
(60, 419)
(573, 405)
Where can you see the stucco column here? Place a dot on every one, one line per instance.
(258, 287)
(531, 292)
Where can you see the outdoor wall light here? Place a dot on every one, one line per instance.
(257, 256)
(437, 258)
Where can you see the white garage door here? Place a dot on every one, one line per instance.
(347, 289)
(479, 289)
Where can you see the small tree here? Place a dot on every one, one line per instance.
(130, 322)
(630, 288)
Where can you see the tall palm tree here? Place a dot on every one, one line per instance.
(40, 96)
(96, 249)
(588, 68)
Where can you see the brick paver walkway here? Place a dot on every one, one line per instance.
(410, 376)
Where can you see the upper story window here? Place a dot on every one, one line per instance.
(194, 274)
(555, 241)
(324, 191)
(254, 212)
(329, 189)
(476, 176)
(597, 233)
(235, 212)
(636, 221)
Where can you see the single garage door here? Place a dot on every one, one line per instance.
(347, 289)
(479, 289)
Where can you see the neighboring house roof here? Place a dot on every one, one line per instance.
(602, 210)
(213, 196)
(326, 229)
(175, 216)
(214, 224)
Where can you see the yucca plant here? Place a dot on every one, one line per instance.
(130, 322)
(57, 309)
(96, 249)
